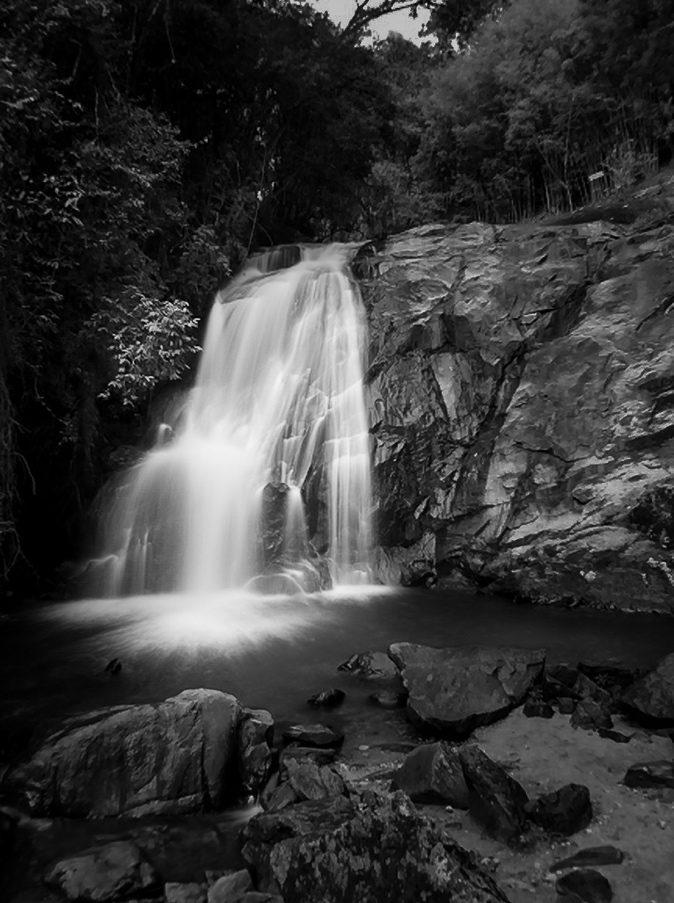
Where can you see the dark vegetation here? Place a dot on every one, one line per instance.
(147, 146)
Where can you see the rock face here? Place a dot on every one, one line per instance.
(522, 407)
(374, 850)
(168, 758)
(454, 690)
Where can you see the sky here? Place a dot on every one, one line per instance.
(341, 11)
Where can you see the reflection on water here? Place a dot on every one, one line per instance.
(276, 651)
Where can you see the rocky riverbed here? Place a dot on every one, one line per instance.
(478, 774)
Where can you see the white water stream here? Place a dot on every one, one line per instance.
(278, 399)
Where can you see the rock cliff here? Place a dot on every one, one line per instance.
(521, 395)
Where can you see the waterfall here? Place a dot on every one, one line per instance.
(262, 476)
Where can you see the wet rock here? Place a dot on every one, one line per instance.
(497, 800)
(175, 892)
(314, 735)
(254, 740)
(566, 705)
(328, 699)
(584, 886)
(116, 871)
(388, 699)
(590, 716)
(454, 690)
(602, 855)
(313, 782)
(231, 887)
(650, 774)
(168, 758)
(652, 696)
(563, 811)
(433, 773)
(538, 709)
(373, 849)
(371, 666)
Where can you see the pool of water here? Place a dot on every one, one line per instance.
(275, 652)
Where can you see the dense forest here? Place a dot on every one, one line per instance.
(148, 146)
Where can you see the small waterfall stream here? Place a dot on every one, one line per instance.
(262, 476)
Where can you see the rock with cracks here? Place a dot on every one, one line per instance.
(454, 690)
(372, 849)
(168, 758)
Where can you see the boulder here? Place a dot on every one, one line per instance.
(116, 871)
(254, 740)
(584, 886)
(652, 696)
(370, 666)
(563, 811)
(168, 758)
(650, 774)
(433, 773)
(373, 849)
(497, 800)
(456, 689)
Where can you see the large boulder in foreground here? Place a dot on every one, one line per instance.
(168, 758)
(454, 690)
(652, 696)
(373, 849)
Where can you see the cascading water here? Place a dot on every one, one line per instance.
(267, 462)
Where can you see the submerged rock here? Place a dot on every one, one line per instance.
(373, 849)
(433, 773)
(328, 699)
(168, 758)
(454, 690)
(371, 666)
(116, 871)
(652, 696)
